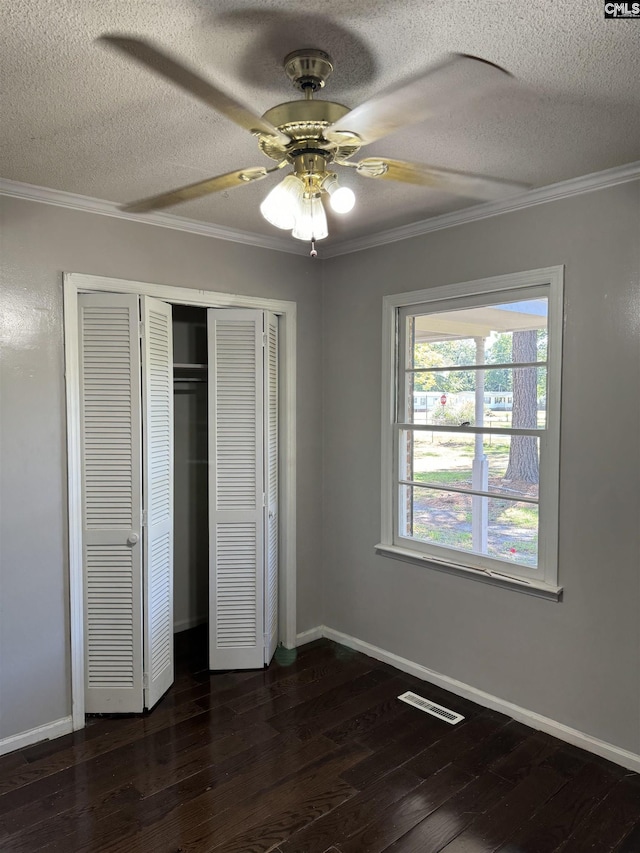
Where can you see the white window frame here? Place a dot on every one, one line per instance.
(542, 581)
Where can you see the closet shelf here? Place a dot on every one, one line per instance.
(191, 366)
(190, 372)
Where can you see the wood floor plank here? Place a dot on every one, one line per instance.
(631, 842)
(448, 821)
(196, 827)
(352, 816)
(122, 736)
(278, 825)
(489, 831)
(283, 709)
(314, 754)
(290, 682)
(560, 817)
(529, 753)
(612, 819)
(111, 768)
(12, 762)
(123, 786)
(384, 731)
(454, 743)
(39, 835)
(397, 819)
(391, 753)
(491, 749)
(362, 702)
(108, 733)
(275, 680)
(388, 711)
(212, 790)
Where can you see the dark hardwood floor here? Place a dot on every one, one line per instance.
(314, 755)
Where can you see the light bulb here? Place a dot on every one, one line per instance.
(311, 222)
(280, 207)
(342, 200)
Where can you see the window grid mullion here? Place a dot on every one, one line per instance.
(437, 487)
(509, 365)
(471, 430)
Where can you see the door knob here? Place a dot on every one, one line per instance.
(132, 539)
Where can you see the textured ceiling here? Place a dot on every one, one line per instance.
(79, 118)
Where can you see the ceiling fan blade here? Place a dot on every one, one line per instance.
(442, 87)
(460, 183)
(212, 185)
(163, 64)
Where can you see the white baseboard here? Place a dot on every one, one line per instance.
(311, 635)
(47, 732)
(189, 622)
(530, 718)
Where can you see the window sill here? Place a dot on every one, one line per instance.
(530, 587)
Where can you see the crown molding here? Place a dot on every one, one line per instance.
(73, 201)
(553, 192)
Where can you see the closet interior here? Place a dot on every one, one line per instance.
(191, 513)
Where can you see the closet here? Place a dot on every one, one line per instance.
(179, 490)
(190, 478)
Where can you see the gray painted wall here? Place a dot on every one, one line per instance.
(39, 243)
(577, 661)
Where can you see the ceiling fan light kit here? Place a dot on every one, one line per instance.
(295, 204)
(311, 224)
(314, 136)
(341, 199)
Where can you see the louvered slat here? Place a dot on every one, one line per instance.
(109, 605)
(158, 491)
(236, 584)
(236, 594)
(107, 402)
(271, 468)
(111, 501)
(235, 371)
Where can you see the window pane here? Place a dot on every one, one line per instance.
(503, 529)
(511, 397)
(512, 332)
(496, 463)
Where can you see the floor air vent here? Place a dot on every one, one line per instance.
(431, 707)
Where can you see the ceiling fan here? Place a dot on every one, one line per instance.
(316, 136)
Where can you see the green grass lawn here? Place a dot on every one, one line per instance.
(445, 519)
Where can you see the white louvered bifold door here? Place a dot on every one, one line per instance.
(111, 501)
(157, 456)
(236, 489)
(271, 485)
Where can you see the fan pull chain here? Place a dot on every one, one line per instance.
(314, 252)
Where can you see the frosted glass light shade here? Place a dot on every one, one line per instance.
(311, 223)
(342, 200)
(281, 206)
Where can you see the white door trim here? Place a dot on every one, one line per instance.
(75, 283)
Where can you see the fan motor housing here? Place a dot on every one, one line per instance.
(293, 113)
(305, 122)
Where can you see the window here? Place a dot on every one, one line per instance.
(471, 428)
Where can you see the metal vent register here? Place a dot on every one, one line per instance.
(431, 707)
